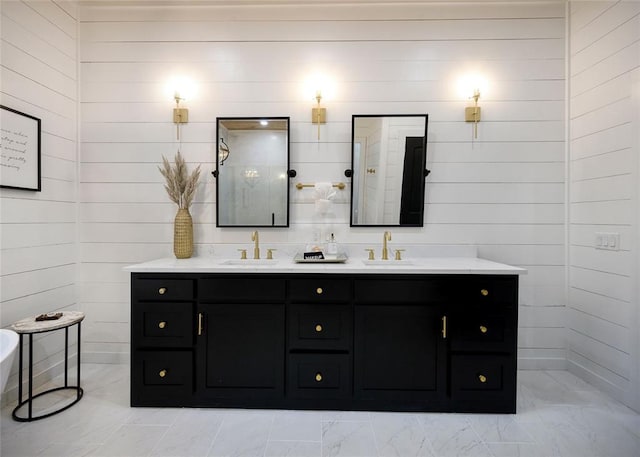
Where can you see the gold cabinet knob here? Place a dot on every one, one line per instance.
(319, 291)
(484, 292)
(483, 329)
(482, 378)
(318, 377)
(162, 324)
(318, 328)
(162, 373)
(162, 290)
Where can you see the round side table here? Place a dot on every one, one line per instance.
(30, 326)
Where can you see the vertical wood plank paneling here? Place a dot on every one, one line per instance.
(502, 192)
(38, 229)
(603, 294)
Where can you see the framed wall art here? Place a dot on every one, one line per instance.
(19, 150)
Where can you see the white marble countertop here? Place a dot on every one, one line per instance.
(423, 265)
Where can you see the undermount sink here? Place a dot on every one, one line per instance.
(250, 262)
(389, 263)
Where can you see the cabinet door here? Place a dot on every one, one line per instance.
(243, 351)
(399, 354)
(162, 378)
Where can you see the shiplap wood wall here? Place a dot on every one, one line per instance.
(503, 193)
(602, 316)
(38, 230)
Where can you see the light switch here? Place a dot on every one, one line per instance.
(598, 240)
(607, 240)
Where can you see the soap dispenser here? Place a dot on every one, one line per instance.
(332, 246)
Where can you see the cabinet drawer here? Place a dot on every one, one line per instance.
(320, 327)
(490, 290)
(401, 291)
(242, 289)
(161, 378)
(482, 332)
(163, 324)
(319, 375)
(490, 373)
(162, 289)
(320, 290)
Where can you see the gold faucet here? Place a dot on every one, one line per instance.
(385, 252)
(256, 246)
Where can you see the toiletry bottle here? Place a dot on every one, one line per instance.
(332, 246)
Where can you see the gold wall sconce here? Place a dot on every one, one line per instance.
(318, 86)
(318, 114)
(470, 86)
(180, 88)
(472, 113)
(180, 115)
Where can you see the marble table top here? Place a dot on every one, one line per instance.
(30, 325)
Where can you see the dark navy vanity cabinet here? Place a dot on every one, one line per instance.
(394, 342)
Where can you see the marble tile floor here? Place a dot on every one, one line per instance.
(558, 416)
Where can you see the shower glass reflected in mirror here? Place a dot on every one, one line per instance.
(252, 161)
(388, 160)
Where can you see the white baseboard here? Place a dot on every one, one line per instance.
(106, 357)
(602, 384)
(10, 395)
(542, 364)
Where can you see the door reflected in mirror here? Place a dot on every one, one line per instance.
(252, 186)
(388, 159)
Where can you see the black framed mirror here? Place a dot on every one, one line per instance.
(388, 165)
(252, 164)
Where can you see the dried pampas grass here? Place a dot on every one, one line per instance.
(180, 186)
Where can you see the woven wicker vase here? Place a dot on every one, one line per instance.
(183, 234)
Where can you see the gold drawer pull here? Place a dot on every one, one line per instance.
(444, 327)
(318, 328)
(319, 290)
(199, 324)
(162, 324)
(162, 373)
(318, 377)
(482, 378)
(484, 292)
(483, 329)
(162, 290)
